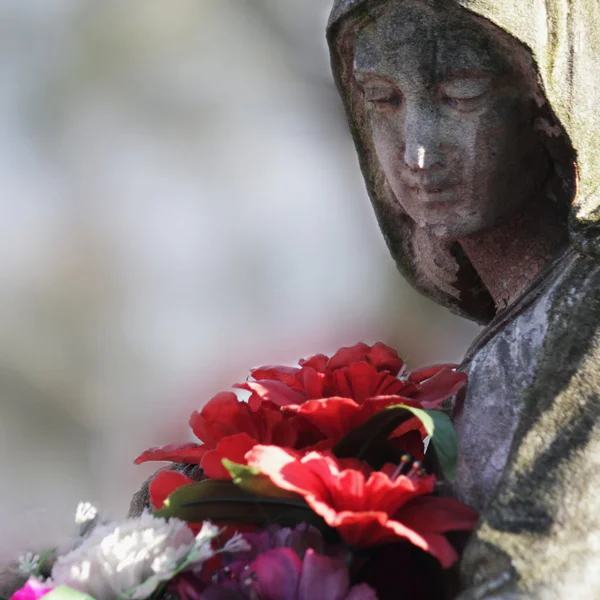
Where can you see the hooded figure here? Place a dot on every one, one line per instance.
(477, 125)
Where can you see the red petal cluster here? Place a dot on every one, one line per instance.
(340, 393)
(368, 507)
(311, 406)
(358, 372)
(229, 428)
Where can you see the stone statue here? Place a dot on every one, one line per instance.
(477, 125)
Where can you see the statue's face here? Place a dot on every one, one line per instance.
(451, 118)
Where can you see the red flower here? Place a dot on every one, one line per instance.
(380, 356)
(340, 393)
(229, 428)
(356, 372)
(309, 407)
(368, 510)
(336, 417)
(359, 372)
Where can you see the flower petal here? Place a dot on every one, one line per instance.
(420, 375)
(234, 448)
(385, 358)
(289, 473)
(349, 355)
(333, 416)
(273, 391)
(286, 375)
(441, 548)
(163, 484)
(430, 514)
(185, 453)
(317, 362)
(277, 574)
(323, 577)
(32, 590)
(442, 385)
(362, 592)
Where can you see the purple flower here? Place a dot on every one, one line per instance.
(279, 574)
(32, 590)
(299, 539)
(192, 584)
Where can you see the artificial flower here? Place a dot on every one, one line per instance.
(300, 539)
(132, 558)
(229, 428)
(358, 372)
(367, 507)
(32, 590)
(382, 357)
(279, 574)
(309, 407)
(336, 417)
(28, 564)
(242, 549)
(85, 513)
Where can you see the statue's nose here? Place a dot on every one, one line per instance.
(422, 143)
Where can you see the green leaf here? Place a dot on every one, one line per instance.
(250, 479)
(369, 441)
(443, 437)
(43, 560)
(223, 502)
(64, 592)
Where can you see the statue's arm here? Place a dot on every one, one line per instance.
(540, 535)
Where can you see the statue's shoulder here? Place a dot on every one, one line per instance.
(574, 297)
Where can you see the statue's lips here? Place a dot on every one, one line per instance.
(434, 193)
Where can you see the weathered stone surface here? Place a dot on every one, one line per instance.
(468, 124)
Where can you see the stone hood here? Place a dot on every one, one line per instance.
(564, 39)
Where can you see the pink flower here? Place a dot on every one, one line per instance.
(32, 590)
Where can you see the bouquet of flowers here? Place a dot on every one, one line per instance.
(327, 482)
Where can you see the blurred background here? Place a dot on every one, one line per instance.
(181, 201)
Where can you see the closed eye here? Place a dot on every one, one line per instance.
(465, 94)
(383, 98)
(395, 100)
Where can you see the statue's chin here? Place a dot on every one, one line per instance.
(454, 230)
(446, 233)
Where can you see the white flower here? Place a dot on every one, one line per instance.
(203, 550)
(130, 559)
(28, 564)
(237, 544)
(85, 512)
(208, 532)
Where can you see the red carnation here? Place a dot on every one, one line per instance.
(372, 509)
